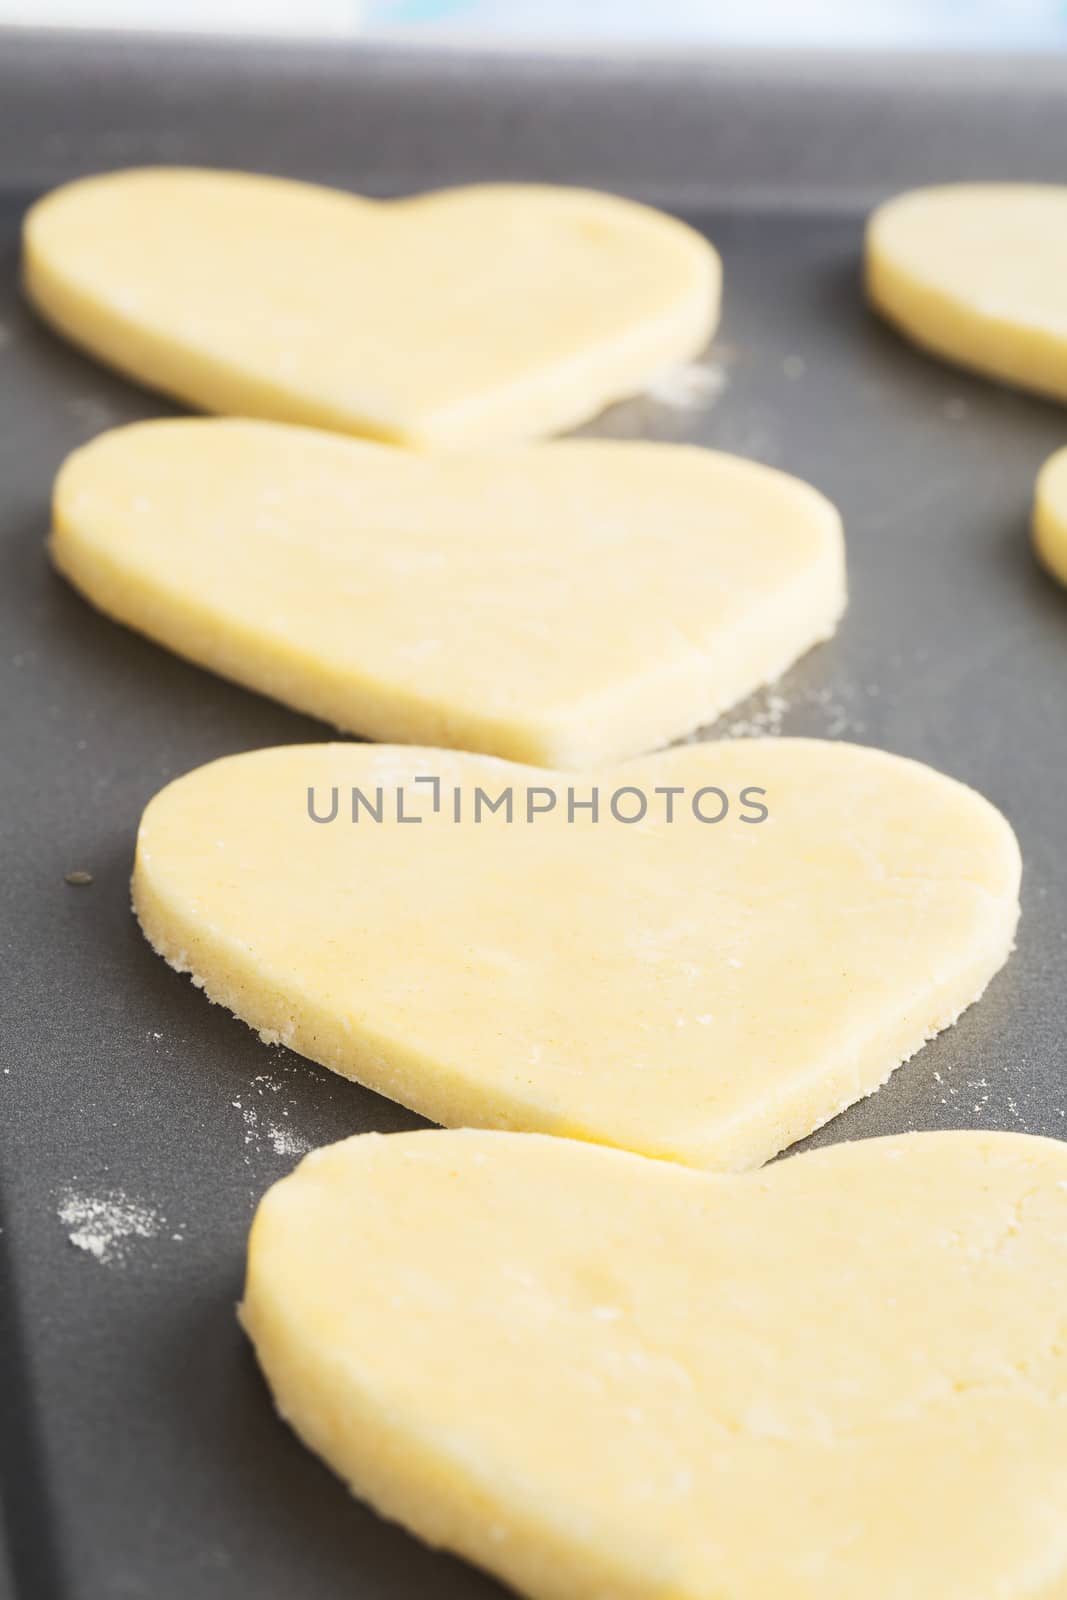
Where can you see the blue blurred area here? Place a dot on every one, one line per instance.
(844, 24)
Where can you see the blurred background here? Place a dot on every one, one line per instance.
(667, 24)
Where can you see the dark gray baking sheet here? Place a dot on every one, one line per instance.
(140, 1455)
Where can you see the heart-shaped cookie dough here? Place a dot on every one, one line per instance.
(842, 1378)
(559, 603)
(471, 315)
(703, 990)
(977, 273)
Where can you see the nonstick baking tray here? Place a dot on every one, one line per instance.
(140, 1453)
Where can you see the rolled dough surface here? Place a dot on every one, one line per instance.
(596, 1375)
(707, 992)
(471, 315)
(1050, 515)
(977, 273)
(560, 603)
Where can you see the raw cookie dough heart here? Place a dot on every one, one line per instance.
(563, 603)
(699, 990)
(977, 272)
(1050, 515)
(842, 1378)
(470, 315)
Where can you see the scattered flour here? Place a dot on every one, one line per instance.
(839, 718)
(262, 1130)
(765, 721)
(105, 1225)
(690, 388)
(764, 714)
(284, 1142)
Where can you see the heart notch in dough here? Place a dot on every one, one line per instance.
(470, 316)
(563, 604)
(841, 1378)
(708, 992)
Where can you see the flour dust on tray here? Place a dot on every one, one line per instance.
(108, 1225)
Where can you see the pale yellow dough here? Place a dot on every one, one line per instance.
(1050, 515)
(473, 315)
(977, 272)
(698, 991)
(559, 603)
(607, 1378)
